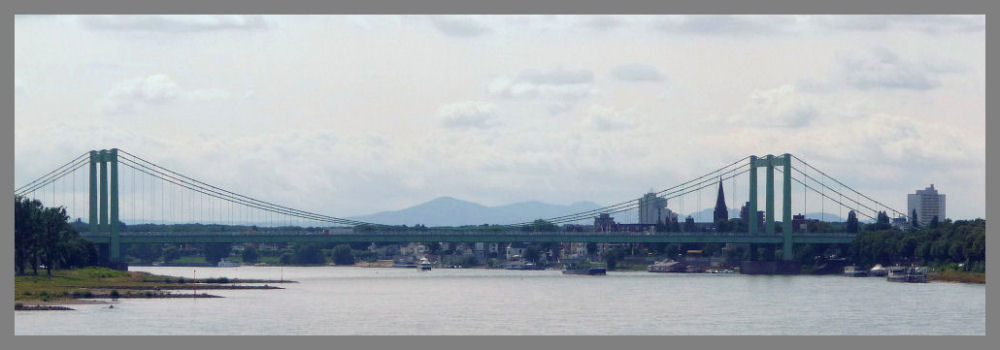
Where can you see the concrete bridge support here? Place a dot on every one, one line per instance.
(769, 162)
(104, 199)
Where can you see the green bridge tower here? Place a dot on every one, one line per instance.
(102, 201)
(769, 162)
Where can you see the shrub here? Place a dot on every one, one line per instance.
(115, 294)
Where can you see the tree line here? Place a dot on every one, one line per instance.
(43, 236)
(960, 244)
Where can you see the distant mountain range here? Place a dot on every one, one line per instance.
(448, 211)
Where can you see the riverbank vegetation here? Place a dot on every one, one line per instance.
(44, 237)
(958, 246)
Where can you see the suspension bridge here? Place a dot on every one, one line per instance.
(164, 206)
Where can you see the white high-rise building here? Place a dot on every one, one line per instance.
(653, 209)
(928, 204)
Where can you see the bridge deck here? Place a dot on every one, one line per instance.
(469, 236)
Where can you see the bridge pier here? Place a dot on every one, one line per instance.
(104, 200)
(769, 162)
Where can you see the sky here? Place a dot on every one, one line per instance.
(350, 115)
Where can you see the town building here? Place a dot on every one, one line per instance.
(927, 203)
(653, 209)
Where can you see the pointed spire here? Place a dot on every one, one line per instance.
(721, 212)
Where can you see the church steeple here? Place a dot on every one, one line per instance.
(721, 212)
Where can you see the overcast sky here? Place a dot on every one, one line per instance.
(348, 115)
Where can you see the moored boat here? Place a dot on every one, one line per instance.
(228, 263)
(425, 265)
(878, 271)
(912, 274)
(854, 271)
(668, 266)
(584, 269)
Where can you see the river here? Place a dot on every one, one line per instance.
(371, 301)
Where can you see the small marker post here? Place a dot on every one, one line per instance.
(195, 282)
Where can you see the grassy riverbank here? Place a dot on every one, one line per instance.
(99, 282)
(958, 276)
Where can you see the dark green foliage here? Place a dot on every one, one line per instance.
(250, 254)
(934, 222)
(310, 254)
(433, 247)
(43, 236)
(613, 256)
(689, 224)
(852, 222)
(881, 223)
(543, 226)
(342, 255)
(171, 253)
(915, 222)
(287, 257)
(217, 251)
(470, 262)
(591, 248)
(532, 254)
(115, 294)
(962, 242)
(144, 252)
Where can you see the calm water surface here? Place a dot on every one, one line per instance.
(349, 300)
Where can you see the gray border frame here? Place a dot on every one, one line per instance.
(455, 6)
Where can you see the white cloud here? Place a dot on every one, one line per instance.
(728, 24)
(637, 72)
(604, 118)
(459, 26)
(881, 68)
(561, 84)
(137, 94)
(782, 106)
(172, 23)
(468, 114)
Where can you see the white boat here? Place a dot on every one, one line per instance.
(878, 271)
(425, 265)
(227, 263)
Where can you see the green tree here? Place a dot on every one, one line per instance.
(250, 254)
(171, 253)
(531, 254)
(217, 251)
(689, 225)
(543, 226)
(434, 247)
(43, 236)
(613, 256)
(26, 230)
(915, 223)
(145, 252)
(934, 222)
(852, 222)
(342, 255)
(310, 254)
